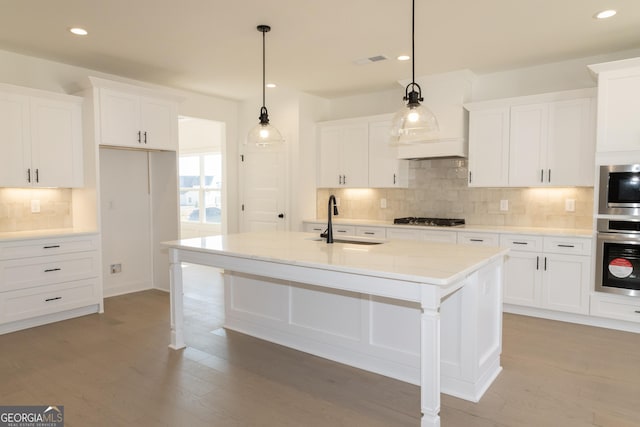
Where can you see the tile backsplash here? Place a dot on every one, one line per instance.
(438, 188)
(15, 209)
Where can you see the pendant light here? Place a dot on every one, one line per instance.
(263, 134)
(415, 123)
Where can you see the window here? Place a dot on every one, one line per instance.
(200, 186)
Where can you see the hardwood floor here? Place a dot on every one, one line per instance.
(115, 369)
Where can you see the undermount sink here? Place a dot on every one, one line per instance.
(363, 241)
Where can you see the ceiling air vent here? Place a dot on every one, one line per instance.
(371, 59)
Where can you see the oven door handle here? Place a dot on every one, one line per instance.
(632, 239)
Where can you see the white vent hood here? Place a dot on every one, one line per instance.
(444, 94)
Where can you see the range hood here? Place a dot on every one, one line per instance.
(444, 94)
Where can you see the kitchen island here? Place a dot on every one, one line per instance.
(457, 289)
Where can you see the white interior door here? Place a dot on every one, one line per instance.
(264, 193)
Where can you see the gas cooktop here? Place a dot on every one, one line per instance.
(438, 222)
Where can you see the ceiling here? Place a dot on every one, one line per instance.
(213, 47)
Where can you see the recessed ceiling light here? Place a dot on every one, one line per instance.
(605, 14)
(78, 31)
(404, 58)
(270, 85)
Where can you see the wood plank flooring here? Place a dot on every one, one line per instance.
(115, 369)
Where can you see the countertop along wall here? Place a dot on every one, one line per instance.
(438, 188)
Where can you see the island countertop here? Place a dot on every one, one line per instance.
(414, 261)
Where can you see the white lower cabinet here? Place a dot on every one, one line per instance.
(615, 307)
(44, 280)
(547, 272)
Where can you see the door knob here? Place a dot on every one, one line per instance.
(281, 215)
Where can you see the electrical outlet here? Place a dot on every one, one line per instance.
(383, 203)
(115, 268)
(35, 206)
(570, 205)
(504, 205)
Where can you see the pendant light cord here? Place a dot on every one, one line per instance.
(263, 69)
(413, 42)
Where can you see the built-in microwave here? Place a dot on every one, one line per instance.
(619, 190)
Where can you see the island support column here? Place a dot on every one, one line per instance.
(177, 300)
(430, 357)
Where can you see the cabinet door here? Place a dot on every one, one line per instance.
(120, 119)
(15, 148)
(527, 148)
(566, 283)
(329, 143)
(618, 106)
(571, 143)
(385, 169)
(158, 124)
(489, 148)
(354, 159)
(523, 279)
(56, 143)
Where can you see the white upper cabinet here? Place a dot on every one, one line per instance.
(131, 119)
(357, 153)
(489, 147)
(344, 155)
(134, 121)
(618, 105)
(41, 139)
(385, 169)
(547, 140)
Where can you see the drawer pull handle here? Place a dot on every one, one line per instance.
(520, 243)
(638, 311)
(369, 232)
(341, 231)
(52, 299)
(566, 246)
(476, 240)
(49, 270)
(51, 247)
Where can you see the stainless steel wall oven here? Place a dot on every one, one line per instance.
(618, 257)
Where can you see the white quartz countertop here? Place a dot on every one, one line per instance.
(43, 234)
(502, 229)
(406, 260)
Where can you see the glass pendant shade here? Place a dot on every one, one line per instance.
(264, 135)
(413, 124)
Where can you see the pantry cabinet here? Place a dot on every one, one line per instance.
(533, 141)
(40, 138)
(128, 119)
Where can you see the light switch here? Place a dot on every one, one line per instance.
(504, 205)
(35, 206)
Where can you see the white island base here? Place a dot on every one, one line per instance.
(382, 309)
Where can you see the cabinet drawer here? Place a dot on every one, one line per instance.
(373, 232)
(29, 272)
(43, 247)
(406, 234)
(41, 300)
(483, 239)
(344, 230)
(439, 236)
(519, 242)
(567, 245)
(315, 227)
(616, 308)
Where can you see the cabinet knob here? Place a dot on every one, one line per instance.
(281, 215)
